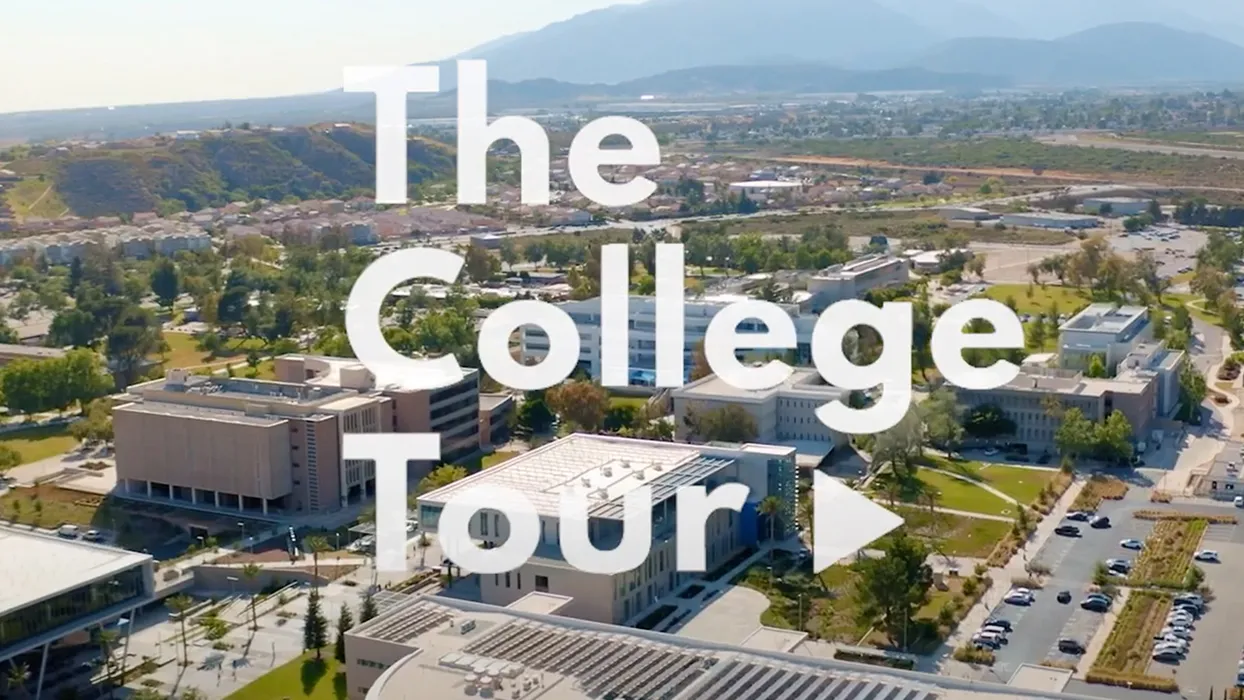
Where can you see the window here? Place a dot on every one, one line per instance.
(483, 524)
(542, 584)
(518, 580)
(507, 579)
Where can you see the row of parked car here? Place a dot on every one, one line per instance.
(1097, 522)
(1171, 643)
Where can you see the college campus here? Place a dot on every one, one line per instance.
(178, 516)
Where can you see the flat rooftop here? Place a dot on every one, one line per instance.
(803, 380)
(38, 566)
(33, 352)
(859, 266)
(457, 644)
(242, 389)
(606, 468)
(222, 415)
(488, 402)
(1105, 318)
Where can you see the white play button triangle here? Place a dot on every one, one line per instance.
(844, 521)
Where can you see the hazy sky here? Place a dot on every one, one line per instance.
(83, 53)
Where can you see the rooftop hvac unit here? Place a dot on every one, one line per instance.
(585, 481)
(639, 475)
(626, 465)
(606, 470)
(656, 466)
(602, 493)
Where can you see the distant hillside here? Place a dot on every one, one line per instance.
(1133, 53)
(306, 162)
(804, 78)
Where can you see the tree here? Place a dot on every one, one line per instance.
(344, 622)
(940, 413)
(1096, 367)
(316, 544)
(443, 475)
(893, 587)
(1192, 391)
(901, 446)
(131, 340)
(166, 282)
(367, 610)
(534, 416)
(16, 677)
(699, 363)
(481, 265)
(730, 423)
(251, 572)
(771, 509)
(1113, 438)
(1076, 435)
(582, 403)
(315, 628)
(179, 605)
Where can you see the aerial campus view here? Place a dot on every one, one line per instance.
(182, 225)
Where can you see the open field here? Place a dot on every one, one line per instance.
(184, 352)
(34, 444)
(1021, 483)
(910, 226)
(304, 678)
(954, 535)
(1042, 299)
(1125, 657)
(957, 494)
(32, 197)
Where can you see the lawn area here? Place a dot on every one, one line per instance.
(1021, 483)
(638, 402)
(957, 494)
(496, 458)
(955, 535)
(32, 197)
(1069, 299)
(303, 677)
(34, 444)
(184, 351)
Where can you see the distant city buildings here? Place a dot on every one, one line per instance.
(165, 238)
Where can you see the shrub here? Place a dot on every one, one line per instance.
(972, 655)
(1134, 681)
(1127, 649)
(1167, 557)
(875, 659)
(1098, 488)
(1160, 515)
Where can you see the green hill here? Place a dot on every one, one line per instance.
(315, 162)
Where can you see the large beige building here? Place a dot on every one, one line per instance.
(607, 468)
(274, 447)
(434, 647)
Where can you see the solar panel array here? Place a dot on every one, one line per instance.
(747, 679)
(408, 621)
(606, 665)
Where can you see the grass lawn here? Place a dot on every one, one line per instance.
(1069, 299)
(184, 351)
(638, 402)
(956, 535)
(303, 677)
(1022, 484)
(34, 444)
(30, 197)
(957, 494)
(496, 458)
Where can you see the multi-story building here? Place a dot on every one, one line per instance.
(52, 589)
(495, 412)
(452, 411)
(244, 444)
(1106, 330)
(606, 469)
(853, 279)
(784, 414)
(697, 313)
(439, 647)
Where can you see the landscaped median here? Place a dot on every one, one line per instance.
(1211, 518)
(1099, 488)
(1124, 660)
(1166, 561)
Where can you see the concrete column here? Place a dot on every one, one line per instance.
(241, 503)
(43, 664)
(194, 496)
(265, 506)
(148, 489)
(216, 496)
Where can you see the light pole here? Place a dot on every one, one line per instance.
(233, 586)
(243, 526)
(125, 649)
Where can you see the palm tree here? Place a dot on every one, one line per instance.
(316, 544)
(770, 507)
(107, 641)
(178, 605)
(16, 677)
(250, 572)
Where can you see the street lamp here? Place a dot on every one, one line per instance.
(128, 622)
(242, 525)
(233, 585)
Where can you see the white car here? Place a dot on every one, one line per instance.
(1207, 555)
(1014, 598)
(1179, 632)
(1132, 544)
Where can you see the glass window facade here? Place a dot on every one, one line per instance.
(45, 616)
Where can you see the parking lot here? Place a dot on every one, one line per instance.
(1218, 637)
(1174, 255)
(1072, 561)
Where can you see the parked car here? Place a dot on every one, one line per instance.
(1167, 655)
(1070, 646)
(1067, 531)
(68, 531)
(999, 622)
(1207, 555)
(1064, 597)
(1132, 544)
(93, 536)
(1100, 522)
(1013, 598)
(989, 637)
(1095, 605)
(994, 630)
(1079, 516)
(1173, 631)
